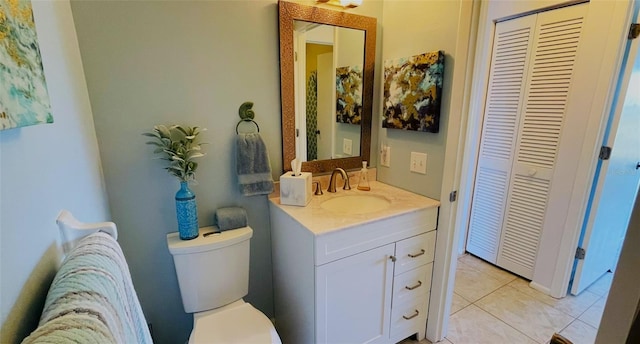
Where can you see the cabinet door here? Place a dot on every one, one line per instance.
(353, 298)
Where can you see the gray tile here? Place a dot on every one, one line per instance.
(570, 304)
(458, 303)
(487, 268)
(593, 315)
(580, 332)
(473, 325)
(525, 313)
(472, 284)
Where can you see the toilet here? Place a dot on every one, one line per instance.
(213, 274)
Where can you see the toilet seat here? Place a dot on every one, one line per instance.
(238, 323)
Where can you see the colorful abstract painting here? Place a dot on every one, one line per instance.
(413, 91)
(349, 94)
(24, 99)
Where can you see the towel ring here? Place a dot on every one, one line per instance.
(246, 114)
(247, 120)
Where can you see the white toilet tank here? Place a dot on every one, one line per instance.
(212, 269)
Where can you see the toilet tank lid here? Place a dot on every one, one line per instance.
(207, 241)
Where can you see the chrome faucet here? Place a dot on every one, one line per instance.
(332, 180)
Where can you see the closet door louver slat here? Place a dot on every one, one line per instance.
(548, 81)
(511, 50)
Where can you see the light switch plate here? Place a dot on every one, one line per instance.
(347, 146)
(385, 156)
(418, 163)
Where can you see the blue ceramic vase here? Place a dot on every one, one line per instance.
(187, 212)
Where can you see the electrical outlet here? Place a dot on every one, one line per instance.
(385, 156)
(418, 163)
(346, 146)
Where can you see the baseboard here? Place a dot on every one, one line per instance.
(540, 288)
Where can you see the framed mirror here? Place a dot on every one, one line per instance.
(326, 68)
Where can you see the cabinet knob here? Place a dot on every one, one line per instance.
(393, 258)
(416, 254)
(412, 315)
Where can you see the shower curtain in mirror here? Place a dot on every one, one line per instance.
(312, 116)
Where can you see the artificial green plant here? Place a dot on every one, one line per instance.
(180, 147)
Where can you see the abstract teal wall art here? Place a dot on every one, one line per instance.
(413, 92)
(24, 99)
(349, 94)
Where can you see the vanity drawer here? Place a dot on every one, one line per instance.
(412, 284)
(350, 241)
(408, 318)
(415, 251)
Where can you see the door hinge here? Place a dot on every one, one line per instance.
(605, 153)
(580, 253)
(634, 31)
(297, 132)
(295, 56)
(453, 196)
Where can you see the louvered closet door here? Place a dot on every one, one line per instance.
(548, 81)
(511, 49)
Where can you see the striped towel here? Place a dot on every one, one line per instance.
(92, 299)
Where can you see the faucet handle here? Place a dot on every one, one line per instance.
(318, 188)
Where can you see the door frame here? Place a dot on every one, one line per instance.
(463, 140)
(562, 244)
(300, 86)
(600, 110)
(612, 125)
(445, 262)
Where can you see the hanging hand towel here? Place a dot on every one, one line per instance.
(253, 166)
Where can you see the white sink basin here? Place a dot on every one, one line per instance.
(355, 204)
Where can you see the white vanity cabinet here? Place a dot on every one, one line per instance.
(364, 283)
(353, 298)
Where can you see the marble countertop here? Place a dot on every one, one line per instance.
(320, 221)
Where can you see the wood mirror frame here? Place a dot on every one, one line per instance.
(288, 12)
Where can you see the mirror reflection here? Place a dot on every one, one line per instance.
(341, 51)
(329, 75)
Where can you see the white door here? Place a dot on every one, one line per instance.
(530, 80)
(300, 86)
(544, 112)
(353, 298)
(617, 185)
(510, 61)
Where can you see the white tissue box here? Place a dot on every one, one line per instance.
(295, 190)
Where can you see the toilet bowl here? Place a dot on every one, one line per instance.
(213, 275)
(237, 323)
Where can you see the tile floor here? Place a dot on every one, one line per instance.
(491, 306)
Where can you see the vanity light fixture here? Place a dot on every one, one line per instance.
(341, 3)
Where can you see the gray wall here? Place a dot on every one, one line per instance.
(191, 63)
(412, 28)
(44, 169)
(148, 63)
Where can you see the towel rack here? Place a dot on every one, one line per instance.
(246, 115)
